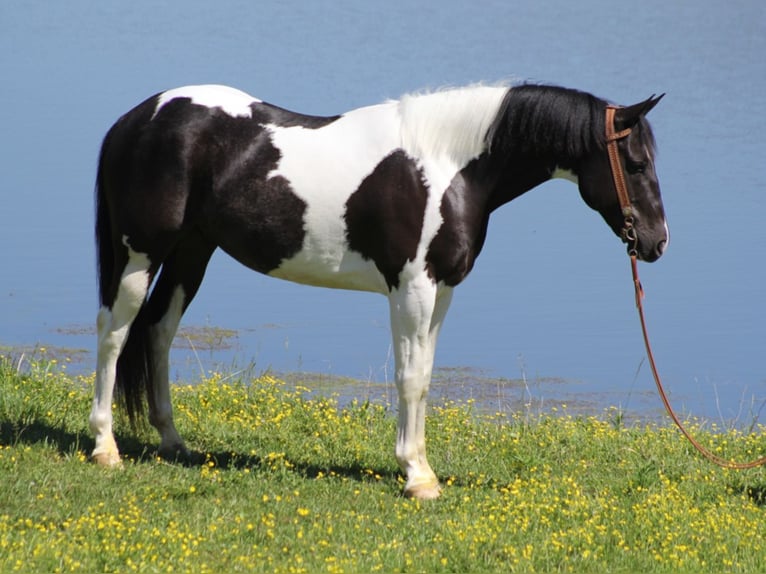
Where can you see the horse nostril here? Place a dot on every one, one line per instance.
(661, 247)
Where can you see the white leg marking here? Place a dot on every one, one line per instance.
(161, 416)
(417, 311)
(113, 326)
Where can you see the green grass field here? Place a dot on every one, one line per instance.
(284, 483)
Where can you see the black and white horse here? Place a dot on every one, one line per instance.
(393, 198)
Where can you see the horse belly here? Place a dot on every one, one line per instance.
(337, 269)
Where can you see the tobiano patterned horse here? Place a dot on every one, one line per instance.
(393, 198)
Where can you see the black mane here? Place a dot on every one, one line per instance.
(552, 123)
(548, 122)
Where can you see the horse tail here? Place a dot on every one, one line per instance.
(135, 365)
(134, 383)
(104, 245)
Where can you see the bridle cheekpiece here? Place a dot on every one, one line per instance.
(628, 231)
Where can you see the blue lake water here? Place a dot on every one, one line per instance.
(550, 299)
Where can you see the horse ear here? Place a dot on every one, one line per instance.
(628, 117)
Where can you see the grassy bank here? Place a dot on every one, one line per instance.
(283, 483)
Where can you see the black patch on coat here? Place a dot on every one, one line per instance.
(486, 183)
(384, 217)
(191, 168)
(264, 113)
(465, 214)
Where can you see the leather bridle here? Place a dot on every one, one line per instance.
(629, 235)
(628, 232)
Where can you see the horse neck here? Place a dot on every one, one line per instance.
(538, 130)
(504, 181)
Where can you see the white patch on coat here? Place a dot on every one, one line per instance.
(324, 167)
(134, 283)
(234, 102)
(450, 123)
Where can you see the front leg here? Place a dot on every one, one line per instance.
(417, 310)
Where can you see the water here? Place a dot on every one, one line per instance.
(550, 298)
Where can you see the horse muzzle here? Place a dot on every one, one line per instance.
(650, 246)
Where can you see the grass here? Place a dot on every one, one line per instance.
(286, 483)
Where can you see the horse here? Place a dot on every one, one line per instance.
(393, 198)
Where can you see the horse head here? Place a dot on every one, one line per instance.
(639, 217)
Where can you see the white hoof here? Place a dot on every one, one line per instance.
(107, 458)
(423, 491)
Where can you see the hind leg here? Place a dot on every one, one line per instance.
(113, 325)
(181, 275)
(160, 409)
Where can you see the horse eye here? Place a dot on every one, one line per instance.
(636, 167)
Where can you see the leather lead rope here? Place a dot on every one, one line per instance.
(629, 235)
